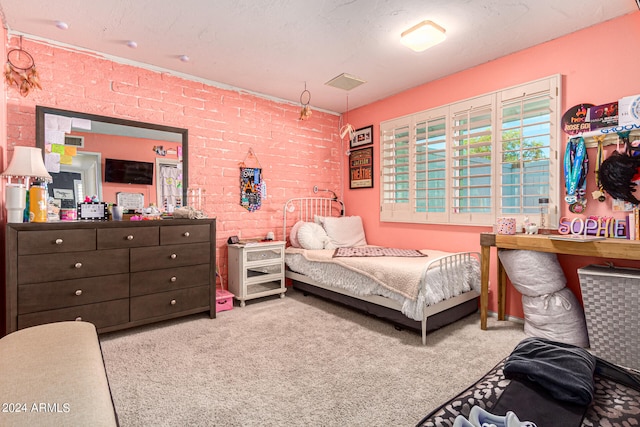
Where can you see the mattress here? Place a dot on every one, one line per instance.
(434, 286)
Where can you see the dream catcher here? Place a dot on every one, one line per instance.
(305, 112)
(576, 166)
(20, 70)
(252, 186)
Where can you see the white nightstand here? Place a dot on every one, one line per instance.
(256, 270)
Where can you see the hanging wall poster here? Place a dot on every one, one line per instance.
(251, 188)
(361, 168)
(362, 137)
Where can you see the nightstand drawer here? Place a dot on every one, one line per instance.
(147, 282)
(166, 303)
(264, 272)
(128, 237)
(71, 265)
(262, 255)
(55, 241)
(102, 314)
(69, 293)
(179, 234)
(171, 256)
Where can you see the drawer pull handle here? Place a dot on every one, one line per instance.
(78, 319)
(130, 237)
(174, 256)
(79, 292)
(174, 278)
(78, 265)
(186, 234)
(58, 241)
(173, 302)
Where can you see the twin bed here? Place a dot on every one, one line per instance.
(418, 289)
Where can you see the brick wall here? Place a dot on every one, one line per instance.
(223, 124)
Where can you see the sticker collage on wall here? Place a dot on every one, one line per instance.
(252, 185)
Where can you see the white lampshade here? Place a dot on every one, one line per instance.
(27, 163)
(423, 36)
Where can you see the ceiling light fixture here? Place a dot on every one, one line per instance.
(422, 36)
(184, 58)
(132, 44)
(62, 25)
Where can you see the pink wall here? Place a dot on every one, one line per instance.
(222, 124)
(598, 65)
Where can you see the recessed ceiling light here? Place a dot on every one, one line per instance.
(132, 44)
(62, 25)
(184, 58)
(423, 36)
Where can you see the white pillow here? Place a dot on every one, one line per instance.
(312, 236)
(344, 231)
(293, 236)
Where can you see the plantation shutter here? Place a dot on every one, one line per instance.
(528, 165)
(471, 161)
(395, 190)
(430, 167)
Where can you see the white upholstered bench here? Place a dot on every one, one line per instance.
(54, 375)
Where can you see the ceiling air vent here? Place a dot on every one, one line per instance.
(345, 81)
(74, 141)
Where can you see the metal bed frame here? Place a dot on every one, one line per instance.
(440, 314)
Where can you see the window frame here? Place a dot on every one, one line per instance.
(471, 209)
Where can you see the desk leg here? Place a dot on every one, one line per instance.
(502, 290)
(485, 253)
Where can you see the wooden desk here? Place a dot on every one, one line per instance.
(607, 248)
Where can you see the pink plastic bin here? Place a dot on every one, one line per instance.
(224, 300)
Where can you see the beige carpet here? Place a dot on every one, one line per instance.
(297, 361)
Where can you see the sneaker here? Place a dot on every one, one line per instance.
(478, 417)
(462, 422)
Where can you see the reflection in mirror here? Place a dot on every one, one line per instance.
(76, 146)
(75, 181)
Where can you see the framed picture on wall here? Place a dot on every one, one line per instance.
(362, 136)
(361, 168)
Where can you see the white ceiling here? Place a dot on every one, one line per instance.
(275, 47)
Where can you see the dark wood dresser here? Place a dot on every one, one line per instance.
(115, 275)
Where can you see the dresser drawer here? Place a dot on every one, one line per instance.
(71, 265)
(131, 237)
(69, 293)
(147, 282)
(171, 256)
(55, 241)
(102, 314)
(178, 234)
(167, 303)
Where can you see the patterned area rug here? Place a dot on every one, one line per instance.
(614, 403)
(373, 251)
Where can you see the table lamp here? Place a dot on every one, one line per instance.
(26, 163)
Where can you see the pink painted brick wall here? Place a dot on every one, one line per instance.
(223, 124)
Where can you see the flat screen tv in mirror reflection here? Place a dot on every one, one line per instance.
(128, 172)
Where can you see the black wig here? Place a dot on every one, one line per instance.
(616, 176)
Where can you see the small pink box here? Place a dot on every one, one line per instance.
(224, 300)
(506, 226)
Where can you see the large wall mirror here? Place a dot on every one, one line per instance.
(133, 164)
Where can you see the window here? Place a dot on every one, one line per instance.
(474, 160)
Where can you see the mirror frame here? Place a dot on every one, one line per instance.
(40, 123)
